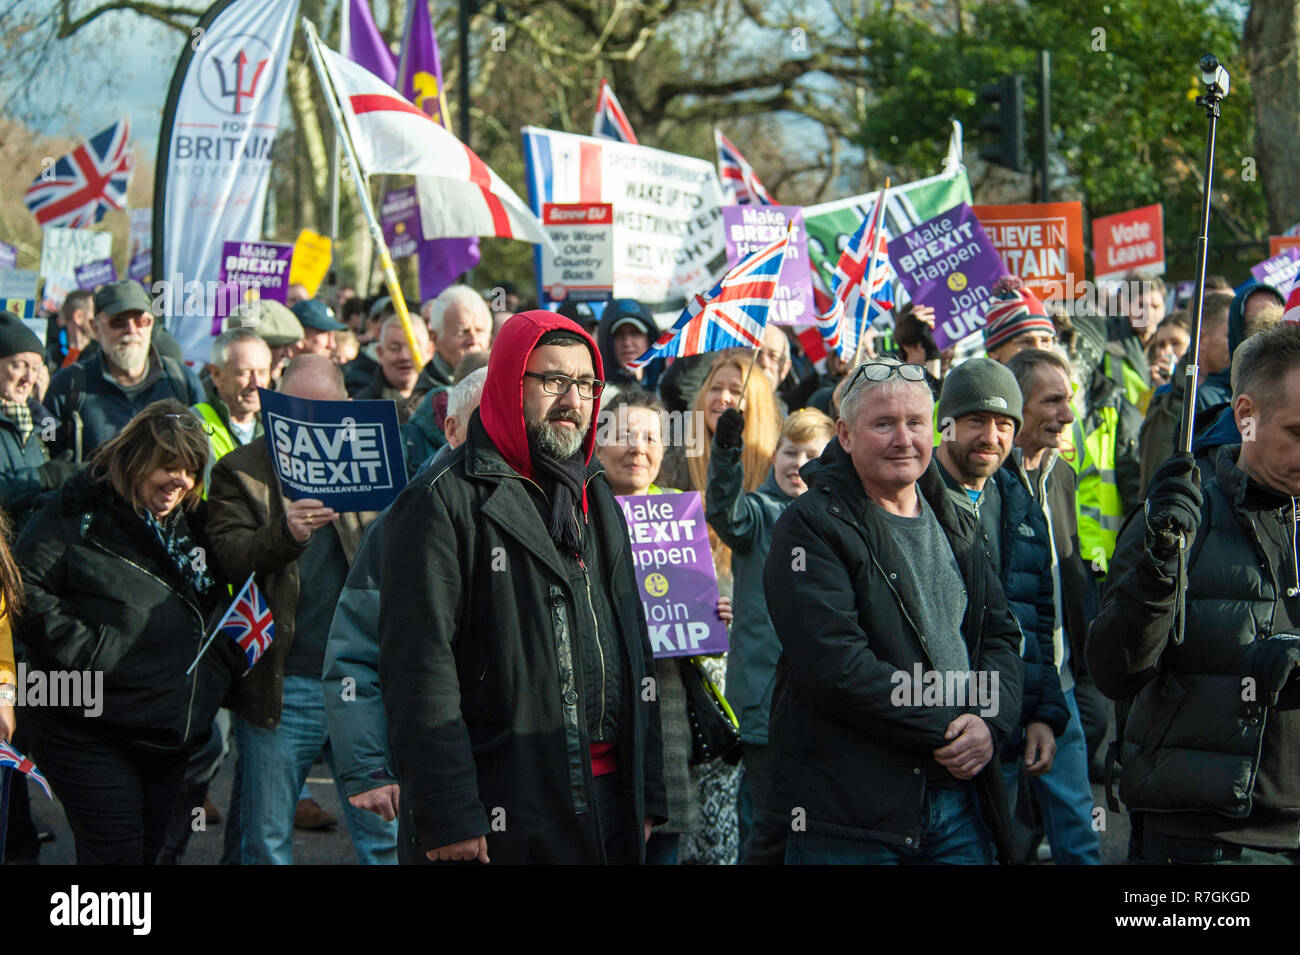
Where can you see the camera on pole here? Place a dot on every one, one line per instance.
(1007, 121)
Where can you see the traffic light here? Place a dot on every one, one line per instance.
(1007, 121)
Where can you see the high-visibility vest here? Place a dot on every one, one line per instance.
(222, 441)
(1100, 510)
(1129, 380)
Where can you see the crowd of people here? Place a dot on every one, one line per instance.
(961, 586)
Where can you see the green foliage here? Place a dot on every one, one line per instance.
(1123, 83)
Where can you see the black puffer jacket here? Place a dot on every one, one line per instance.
(854, 761)
(104, 595)
(1191, 741)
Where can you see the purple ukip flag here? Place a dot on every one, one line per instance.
(442, 261)
(366, 46)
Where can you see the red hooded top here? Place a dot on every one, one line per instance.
(502, 407)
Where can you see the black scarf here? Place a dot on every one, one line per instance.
(564, 481)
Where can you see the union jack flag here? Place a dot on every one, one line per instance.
(740, 184)
(731, 315)
(78, 189)
(248, 622)
(856, 300)
(15, 760)
(611, 122)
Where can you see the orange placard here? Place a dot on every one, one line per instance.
(1276, 243)
(1040, 242)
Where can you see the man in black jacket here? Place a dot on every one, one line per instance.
(900, 675)
(514, 660)
(1210, 744)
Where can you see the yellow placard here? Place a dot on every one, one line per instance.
(311, 261)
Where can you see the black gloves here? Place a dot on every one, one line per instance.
(727, 432)
(1173, 508)
(54, 472)
(1270, 663)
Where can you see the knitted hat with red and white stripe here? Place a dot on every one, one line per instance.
(1016, 311)
(1292, 313)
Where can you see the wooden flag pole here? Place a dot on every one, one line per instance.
(362, 183)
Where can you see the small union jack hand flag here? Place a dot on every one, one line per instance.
(248, 622)
(15, 760)
(78, 189)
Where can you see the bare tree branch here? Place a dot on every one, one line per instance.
(163, 14)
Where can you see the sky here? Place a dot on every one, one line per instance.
(127, 58)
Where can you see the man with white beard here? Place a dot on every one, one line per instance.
(93, 400)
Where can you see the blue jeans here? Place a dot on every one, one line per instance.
(954, 834)
(1063, 795)
(274, 765)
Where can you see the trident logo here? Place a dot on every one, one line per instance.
(240, 92)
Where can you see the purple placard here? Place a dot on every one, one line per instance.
(263, 266)
(1279, 271)
(949, 264)
(399, 214)
(8, 256)
(750, 228)
(674, 573)
(140, 266)
(94, 274)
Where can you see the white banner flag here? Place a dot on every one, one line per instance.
(459, 194)
(214, 155)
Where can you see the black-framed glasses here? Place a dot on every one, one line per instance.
(554, 383)
(883, 371)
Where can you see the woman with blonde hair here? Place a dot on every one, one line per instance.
(728, 385)
(122, 587)
(686, 465)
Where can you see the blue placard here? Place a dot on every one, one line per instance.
(346, 454)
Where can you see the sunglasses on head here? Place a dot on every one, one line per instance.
(187, 422)
(883, 371)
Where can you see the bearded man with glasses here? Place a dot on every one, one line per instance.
(892, 590)
(94, 399)
(514, 661)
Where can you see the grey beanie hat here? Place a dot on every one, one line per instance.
(981, 384)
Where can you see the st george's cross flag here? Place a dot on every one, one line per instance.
(611, 122)
(732, 314)
(80, 187)
(459, 195)
(740, 184)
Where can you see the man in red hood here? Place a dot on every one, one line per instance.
(514, 663)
